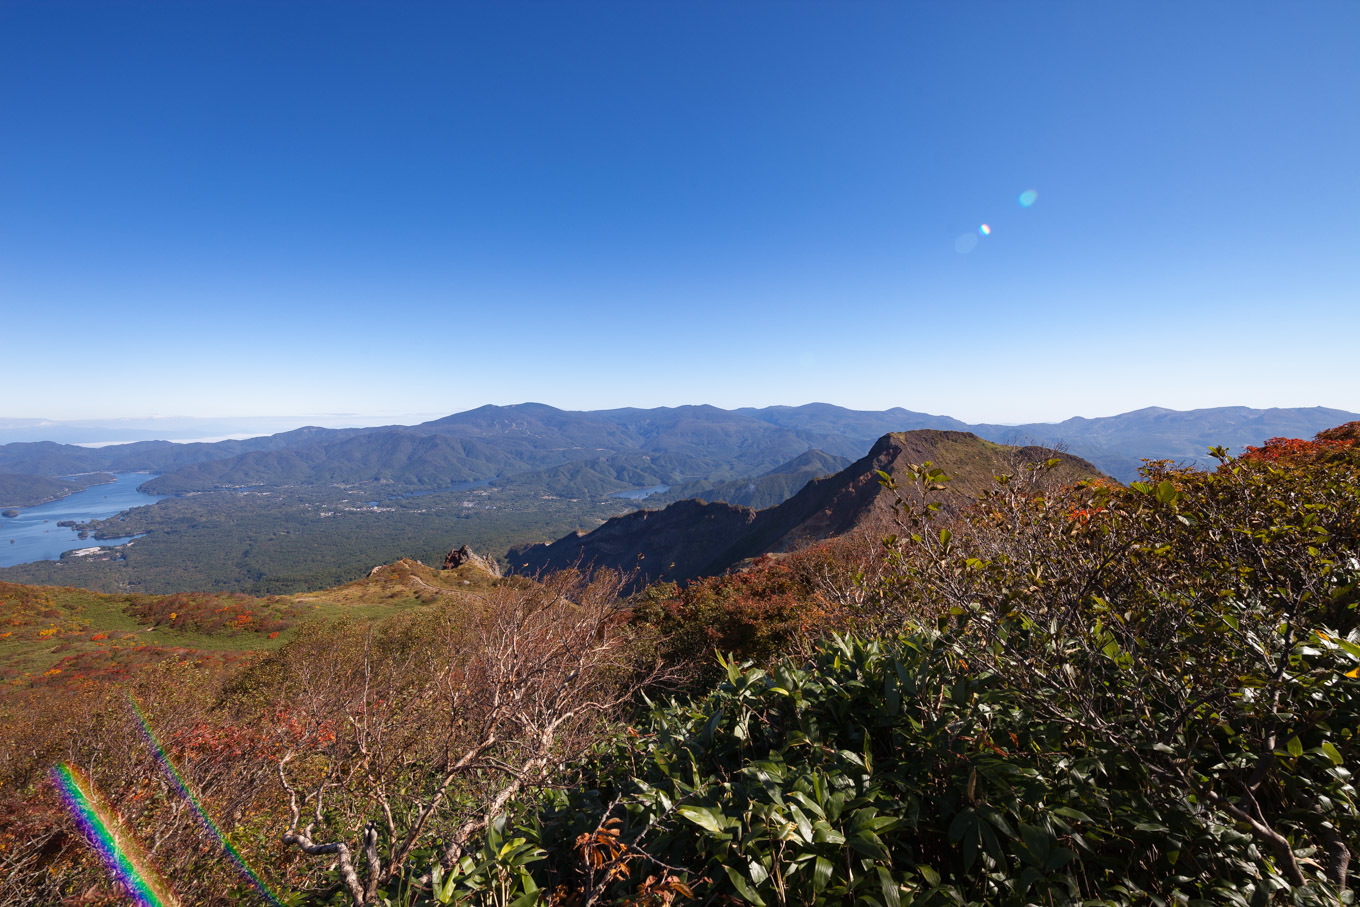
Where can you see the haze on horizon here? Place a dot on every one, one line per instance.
(252, 209)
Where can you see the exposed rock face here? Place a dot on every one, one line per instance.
(458, 557)
(690, 539)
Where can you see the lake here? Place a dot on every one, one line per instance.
(35, 536)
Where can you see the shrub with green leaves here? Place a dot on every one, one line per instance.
(893, 772)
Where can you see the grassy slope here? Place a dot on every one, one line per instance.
(60, 635)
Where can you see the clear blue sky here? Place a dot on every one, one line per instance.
(273, 208)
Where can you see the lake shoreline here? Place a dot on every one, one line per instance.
(50, 530)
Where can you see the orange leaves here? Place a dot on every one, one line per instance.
(213, 612)
(660, 892)
(1296, 451)
(601, 849)
(287, 722)
(1350, 431)
(1084, 515)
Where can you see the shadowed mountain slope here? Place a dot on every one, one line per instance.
(689, 539)
(685, 540)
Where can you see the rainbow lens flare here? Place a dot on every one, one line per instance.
(115, 846)
(178, 782)
(985, 230)
(1028, 198)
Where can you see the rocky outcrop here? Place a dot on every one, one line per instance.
(465, 556)
(402, 565)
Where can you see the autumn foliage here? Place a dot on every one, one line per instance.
(1330, 444)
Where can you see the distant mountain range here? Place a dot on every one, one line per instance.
(693, 538)
(1116, 444)
(765, 490)
(312, 507)
(156, 428)
(746, 455)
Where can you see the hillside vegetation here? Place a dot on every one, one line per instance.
(18, 490)
(54, 637)
(1069, 691)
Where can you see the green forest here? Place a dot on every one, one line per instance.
(294, 539)
(18, 490)
(1069, 693)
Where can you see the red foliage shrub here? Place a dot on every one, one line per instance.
(1328, 444)
(776, 605)
(205, 612)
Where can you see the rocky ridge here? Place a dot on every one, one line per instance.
(694, 538)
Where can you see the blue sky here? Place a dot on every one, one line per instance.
(277, 208)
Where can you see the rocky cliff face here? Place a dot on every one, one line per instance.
(690, 539)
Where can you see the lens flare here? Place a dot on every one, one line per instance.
(1028, 198)
(985, 230)
(115, 846)
(178, 782)
(966, 243)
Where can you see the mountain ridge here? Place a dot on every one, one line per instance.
(693, 538)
